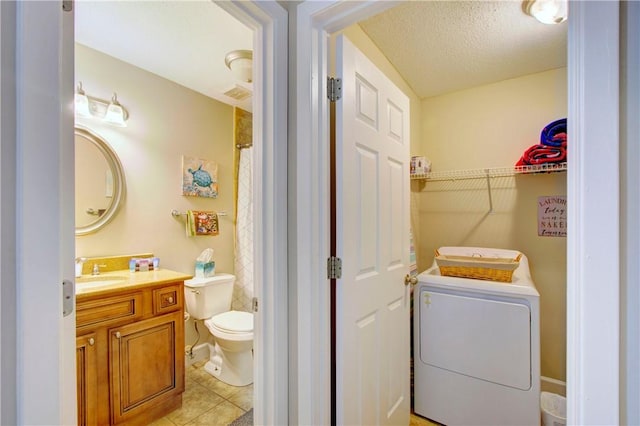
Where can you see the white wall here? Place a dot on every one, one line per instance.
(491, 126)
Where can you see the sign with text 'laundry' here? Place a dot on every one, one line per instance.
(552, 216)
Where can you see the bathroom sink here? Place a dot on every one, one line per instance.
(99, 281)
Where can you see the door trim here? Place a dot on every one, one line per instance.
(269, 23)
(588, 323)
(593, 237)
(43, 392)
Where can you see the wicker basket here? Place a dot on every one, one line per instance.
(477, 267)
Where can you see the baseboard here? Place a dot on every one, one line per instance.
(547, 384)
(199, 352)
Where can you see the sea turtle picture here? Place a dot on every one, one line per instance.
(199, 177)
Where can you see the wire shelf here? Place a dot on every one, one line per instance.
(490, 172)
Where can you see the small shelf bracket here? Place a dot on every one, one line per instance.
(489, 190)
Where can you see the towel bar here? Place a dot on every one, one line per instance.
(176, 213)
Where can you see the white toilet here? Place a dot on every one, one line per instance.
(209, 299)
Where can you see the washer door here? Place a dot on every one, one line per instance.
(486, 339)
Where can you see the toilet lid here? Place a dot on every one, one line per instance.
(234, 322)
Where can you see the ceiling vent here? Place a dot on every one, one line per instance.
(238, 93)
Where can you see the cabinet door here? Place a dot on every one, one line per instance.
(147, 365)
(87, 379)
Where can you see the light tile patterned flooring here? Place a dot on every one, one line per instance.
(208, 401)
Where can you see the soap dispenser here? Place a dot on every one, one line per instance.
(79, 264)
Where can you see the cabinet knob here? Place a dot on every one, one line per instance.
(92, 341)
(118, 335)
(170, 299)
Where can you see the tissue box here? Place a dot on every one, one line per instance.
(205, 269)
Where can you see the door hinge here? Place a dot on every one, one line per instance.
(67, 5)
(334, 88)
(255, 304)
(334, 268)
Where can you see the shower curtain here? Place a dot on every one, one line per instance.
(243, 290)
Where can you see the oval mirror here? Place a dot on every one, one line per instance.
(99, 182)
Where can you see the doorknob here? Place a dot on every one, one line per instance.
(408, 279)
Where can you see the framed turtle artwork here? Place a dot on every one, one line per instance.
(199, 177)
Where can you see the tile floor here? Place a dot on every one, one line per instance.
(208, 401)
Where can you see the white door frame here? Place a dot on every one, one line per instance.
(37, 127)
(593, 287)
(270, 28)
(40, 210)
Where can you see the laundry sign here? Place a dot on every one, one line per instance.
(552, 216)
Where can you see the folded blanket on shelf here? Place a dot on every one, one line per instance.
(540, 154)
(555, 134)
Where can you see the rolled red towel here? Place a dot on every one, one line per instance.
(540, 154)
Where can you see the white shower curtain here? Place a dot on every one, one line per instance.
(243, 290)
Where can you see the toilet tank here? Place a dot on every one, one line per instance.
(206, 297)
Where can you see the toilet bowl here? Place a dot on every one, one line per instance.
(231, 355)
(232, 359)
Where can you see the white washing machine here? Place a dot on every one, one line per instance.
(477, 346)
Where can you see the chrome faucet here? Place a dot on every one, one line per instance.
(96, 269)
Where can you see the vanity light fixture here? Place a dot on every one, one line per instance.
(82, 102)
(115, 113)
(240, 62)
(109, 112)
(547, 11)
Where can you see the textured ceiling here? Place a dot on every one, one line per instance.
(443, 46)
(183, 41)
(437, 46)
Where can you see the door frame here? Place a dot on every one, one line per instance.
(35, 354)
(269, 23)
(593, 340)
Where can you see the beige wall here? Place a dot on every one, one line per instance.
(166, 121)
(490, 126)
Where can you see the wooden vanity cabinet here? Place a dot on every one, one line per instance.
(87, 379)
(133, 373)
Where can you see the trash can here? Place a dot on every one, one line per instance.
(554, 409)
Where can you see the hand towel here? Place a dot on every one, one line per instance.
(201, 222)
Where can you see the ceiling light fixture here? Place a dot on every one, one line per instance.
(240, 62)
(547, 11)
(109, 112)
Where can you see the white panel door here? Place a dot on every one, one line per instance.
(372, 184)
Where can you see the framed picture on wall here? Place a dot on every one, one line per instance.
(199, 177)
